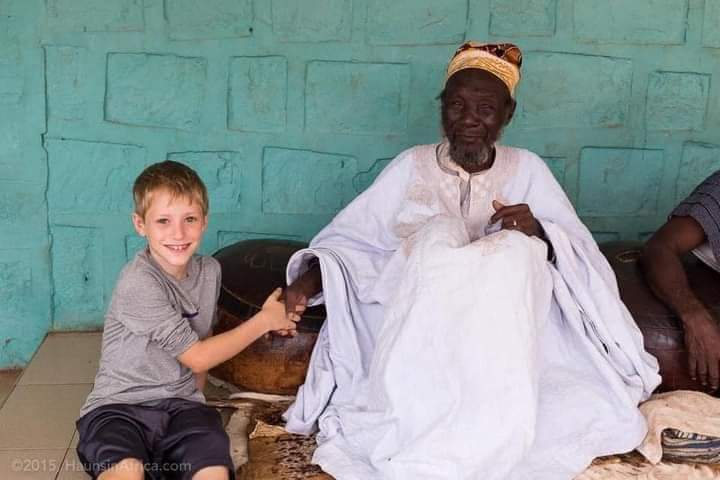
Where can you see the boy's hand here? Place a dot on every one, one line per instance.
(295, 304)
(275, 317)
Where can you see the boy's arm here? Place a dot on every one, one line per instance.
(210, 352)
(201, 377)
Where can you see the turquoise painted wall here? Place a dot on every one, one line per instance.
(289, 108)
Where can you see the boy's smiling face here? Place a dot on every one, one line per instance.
(173, 226)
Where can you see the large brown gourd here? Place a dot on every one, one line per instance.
(251, 270)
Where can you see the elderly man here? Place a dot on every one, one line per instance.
(474, 330)
(694, 226)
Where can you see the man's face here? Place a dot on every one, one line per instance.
(476, 106)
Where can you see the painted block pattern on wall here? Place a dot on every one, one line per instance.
(289, 109)
(93, 16)
(222, 173)
(155, 90)
(25, 291)
(23, 215)
(565, 82)
(699, 160)
(557, 166)
(677, 101)
(16, 278)
(294, 21)
(364, 179)
(711, 32)
(642, 22)
(360, 98)
(10, 151)
(11, 73)
(523, 17)
(416, 22)
(65, 82)
(77, 276)
(209, 19)
(620, 181)
(24, 301)
(326, 186)
(257, 94)
(109, 171)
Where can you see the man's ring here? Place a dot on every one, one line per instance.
(514, 224)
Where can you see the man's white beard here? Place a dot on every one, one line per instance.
(470, 160)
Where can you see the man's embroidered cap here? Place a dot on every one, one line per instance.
(500, 59)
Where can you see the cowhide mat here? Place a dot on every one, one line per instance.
(263, 450)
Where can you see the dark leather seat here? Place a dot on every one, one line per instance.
(662, 329)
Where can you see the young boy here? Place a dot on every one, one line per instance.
(146, 414)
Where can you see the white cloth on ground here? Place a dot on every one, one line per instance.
(583, 366)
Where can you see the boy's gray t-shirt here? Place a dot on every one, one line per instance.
(153, 318)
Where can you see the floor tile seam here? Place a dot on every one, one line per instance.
(4, 400)
(62, 462)
(34, 356)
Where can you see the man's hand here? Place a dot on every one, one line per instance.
(297, 295)
(295, 304)
(702, 340)
(516, 217)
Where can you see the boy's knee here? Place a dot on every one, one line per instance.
(212, 473)
(127, 469)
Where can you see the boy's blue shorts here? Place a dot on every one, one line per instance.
(173, 438)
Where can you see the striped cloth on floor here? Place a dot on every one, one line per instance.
(679, 446)
(684, 425)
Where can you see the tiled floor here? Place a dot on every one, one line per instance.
(40, 405)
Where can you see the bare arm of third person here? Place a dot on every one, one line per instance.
(666, 276)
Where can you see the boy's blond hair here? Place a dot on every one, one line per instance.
(174, 177)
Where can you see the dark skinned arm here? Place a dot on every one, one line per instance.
(305, 287)
(665, 274)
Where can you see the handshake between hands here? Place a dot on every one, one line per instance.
(282, 310)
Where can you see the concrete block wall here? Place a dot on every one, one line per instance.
(289, 108)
